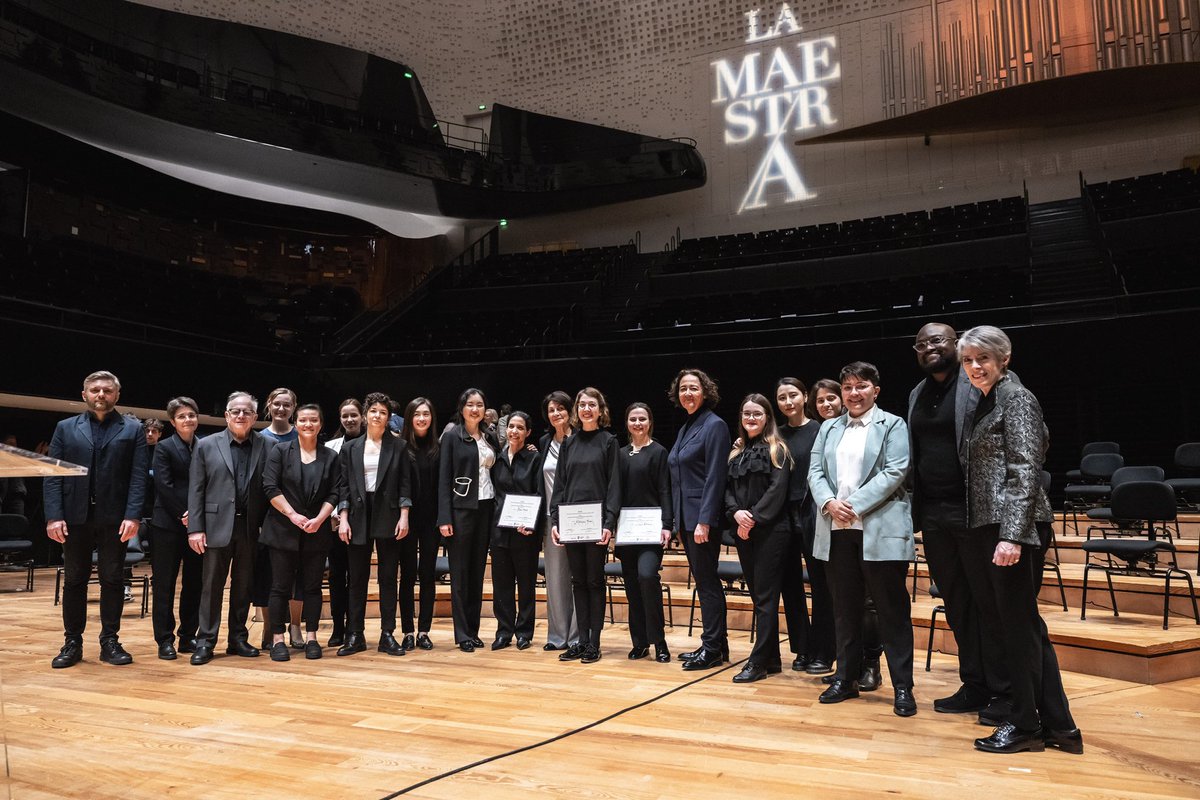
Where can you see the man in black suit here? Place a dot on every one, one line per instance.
(226, 506)
(100, 511)
(941, 411)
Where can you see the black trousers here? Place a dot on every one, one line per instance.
(418, 564)
(702, 559)
(468, 549)
(1010, 597)
(339, 598)
(170, 552)
(980, 641)
(235, 562)
(289, 568)
(763, 561)
(640, 565)
(586, 560)
(514, 596)
(359, 575)
(82, 539)
(261, 596)
(850, 578)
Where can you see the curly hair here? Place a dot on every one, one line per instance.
(708, 387)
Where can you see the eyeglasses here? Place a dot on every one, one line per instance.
(921, 345)
(239, 412)
(753, 415)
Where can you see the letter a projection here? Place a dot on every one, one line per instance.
(776, 166)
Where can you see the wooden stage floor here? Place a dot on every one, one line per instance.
(371, 726)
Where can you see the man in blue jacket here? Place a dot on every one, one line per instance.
(97, 512)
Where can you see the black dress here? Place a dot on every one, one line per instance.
(514, 554)
(645, 483)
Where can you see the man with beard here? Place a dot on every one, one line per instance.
(941, 410)
(100, 511)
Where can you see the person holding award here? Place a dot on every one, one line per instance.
(646, 497)
(515, 544)
(583, 514)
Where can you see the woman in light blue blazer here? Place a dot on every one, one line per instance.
(864, 530)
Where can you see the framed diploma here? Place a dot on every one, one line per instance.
(640, 526)
(520, 511)
(580, 522)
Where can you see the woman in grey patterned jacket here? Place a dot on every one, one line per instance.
(1005, 502)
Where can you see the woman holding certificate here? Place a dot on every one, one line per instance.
(515, 543)
(697, 463)
(466, 498)
(756, 496)
(583, 514)
(562, 628)
(646, 498)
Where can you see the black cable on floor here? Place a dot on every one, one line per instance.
(565, 734)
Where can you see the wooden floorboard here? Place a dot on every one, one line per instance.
(370, 725)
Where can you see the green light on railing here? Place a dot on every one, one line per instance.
(408, 75)
(503, 223)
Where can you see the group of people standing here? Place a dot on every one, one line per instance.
(837, 495)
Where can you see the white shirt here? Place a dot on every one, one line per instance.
(850, 462)
(549, 467)
(487, 457)
(371, 463)
(336, 444)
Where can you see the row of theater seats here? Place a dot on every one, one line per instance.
(1144, 195)
(75, 276)
(914, 229)
(526, 269)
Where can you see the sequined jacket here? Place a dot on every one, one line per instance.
(1004, 459)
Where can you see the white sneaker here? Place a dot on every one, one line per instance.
(128, 595)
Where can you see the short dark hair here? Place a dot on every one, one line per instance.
(523, 416)
(311, 407)
(376, 399)
(177, 403)
(859, 369)
(557, 396)
(152, 424)
(707, 386)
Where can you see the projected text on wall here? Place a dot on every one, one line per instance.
(770, 93)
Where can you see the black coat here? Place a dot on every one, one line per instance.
(520, 477)
(172, 459)
(392, 488)
(757, 486)
(121, 471)
(282, 476)
(458, 471)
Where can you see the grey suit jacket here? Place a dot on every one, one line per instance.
(212, 493)
(881, 499)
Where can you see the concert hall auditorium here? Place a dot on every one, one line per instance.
(619, 398)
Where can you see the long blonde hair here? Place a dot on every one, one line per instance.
(775, 445)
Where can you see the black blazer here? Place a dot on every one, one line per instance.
(520, 477)
(172, 458)
(282, 476)
(121, 471)
(754, 484)
(458, 471)
(392, 488)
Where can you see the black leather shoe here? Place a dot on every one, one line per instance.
(187, 645)
(705, 659)
(355, 643)
(1068, 741)
(688, 656)
(240, 647)
(111, 652)
(279, 652)
(202, 655)
(548, 647)
(572, 653)
(870, 679)
(996, 714)
(424, 642)
(167, 651)
(963, 701)
(591, 654)
(750, 673)
(523, 642)
(409, 642)
(312, 649)
(800, 662)
(501, 642)
(389, 645)
(1008, 739)
(638, 652)
(905, 704)
(337, 639)
(839, 691)
(818, 667)
(828, 679)
(475, 640)
(70, 655)
(466, 646)
(661, 654)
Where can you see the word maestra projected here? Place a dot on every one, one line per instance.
(773, 92)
